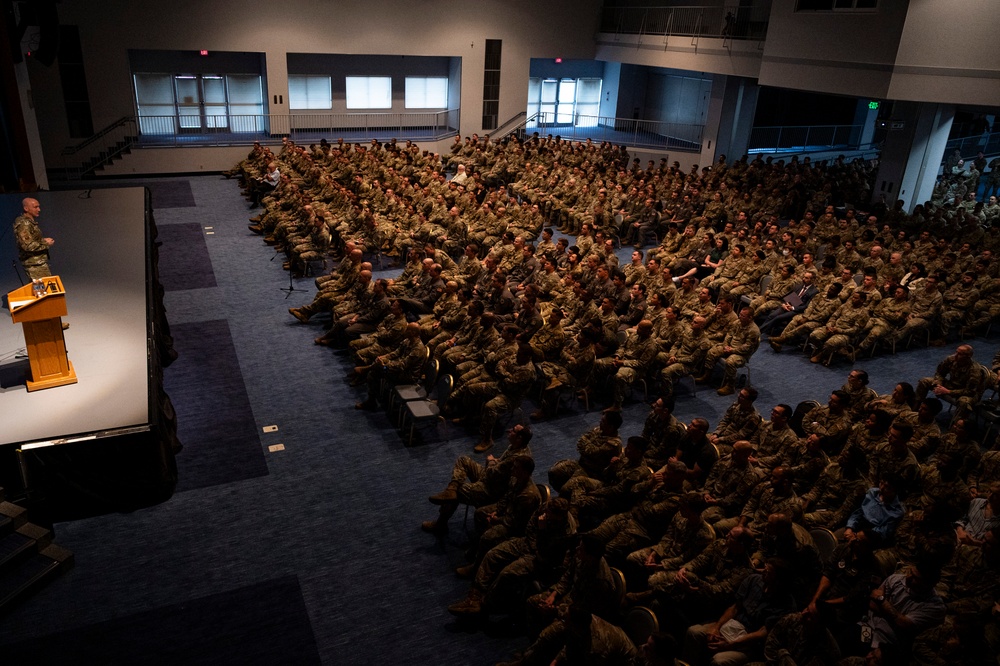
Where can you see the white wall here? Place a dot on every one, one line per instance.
(108, 28)
(845, 53)
(949, 52)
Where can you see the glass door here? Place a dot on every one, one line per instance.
(187, 92)
(214, 107)
(201, 103)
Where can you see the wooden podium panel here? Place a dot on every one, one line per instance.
(43, 333)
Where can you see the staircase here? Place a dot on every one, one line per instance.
(28, 558)
(109, 155)
(100, 150)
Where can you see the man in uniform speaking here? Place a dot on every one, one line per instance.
(33, 249)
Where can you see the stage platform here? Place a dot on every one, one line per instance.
(102, 254)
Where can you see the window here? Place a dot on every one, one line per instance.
(369, 92)
(309, 92)
(565, 101)
(168, 104)
(246, 102)
(425, 92)
(154, 94)
(588, 102)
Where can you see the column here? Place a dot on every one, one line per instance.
(730, 118)
(913, 150)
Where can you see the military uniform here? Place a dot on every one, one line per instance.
(817, 312)
(635, 357)
(642, 525)
(762, 503)
(716, 573)
(958, 303)
(596, 451)
(683, 541)
(743, 341)
(737, 424)
(400, 366)
(730, 486)
(840, 330)
(924, 307)
(833, 497)
(966, 382)
(32, 250)
(887, 317)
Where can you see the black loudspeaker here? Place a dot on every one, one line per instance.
(48, 32)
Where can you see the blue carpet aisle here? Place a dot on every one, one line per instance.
(316, 550)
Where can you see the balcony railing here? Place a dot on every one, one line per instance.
(242, 129)
(622, 131)
(969, 146)
(199, 129)
(747, 23)
(804, 138)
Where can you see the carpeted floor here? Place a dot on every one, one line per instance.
(317, 545)
(184, 259)
(206, 385)
(271, 627)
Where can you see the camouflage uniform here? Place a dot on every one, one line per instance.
(32, 250)
(887, 316)
(818, 311)
(769, 443)
(965, 381)
(509, 565)
(730, 487)
(596, 451)
(833, 497)
(924, 307)
(635, 355)
(689, 350)
(643, 524)
(716, 572)
(762, 503)
(744, 341)
(683, 541)
(845, 324)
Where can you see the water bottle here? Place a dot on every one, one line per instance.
(37, 287)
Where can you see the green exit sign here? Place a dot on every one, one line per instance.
(873, 106)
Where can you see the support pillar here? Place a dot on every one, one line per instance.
(730, 118)
(914, 147)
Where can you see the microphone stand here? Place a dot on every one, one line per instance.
(291, 285)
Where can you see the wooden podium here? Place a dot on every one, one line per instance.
(43, 333)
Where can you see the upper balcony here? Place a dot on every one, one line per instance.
(716, 38)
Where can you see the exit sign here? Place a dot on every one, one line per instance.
(873, 106)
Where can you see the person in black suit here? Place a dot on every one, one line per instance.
(793, 303)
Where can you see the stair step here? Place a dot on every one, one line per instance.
(11, 517)
(31, 574)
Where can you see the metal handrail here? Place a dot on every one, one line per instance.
(684, 137)
(801, 138)
(244, 129)
(504, 129)
(72, 150)
(968, 146)
(743, 23)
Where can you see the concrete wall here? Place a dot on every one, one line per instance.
(949, 52)
(846, 53)
(915, 50)
(109, 28)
